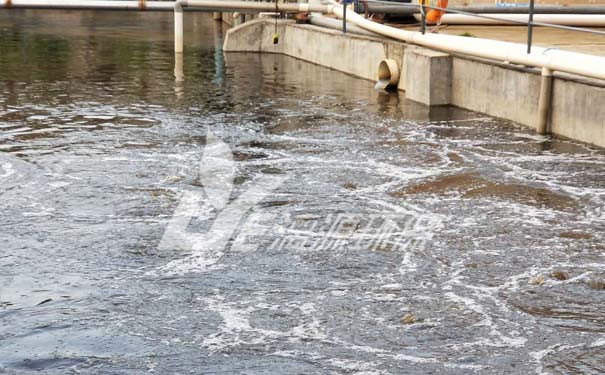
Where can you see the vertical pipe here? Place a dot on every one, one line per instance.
(545, 101)
(217, 16)
(178, 67)
(344, 16)
(241, 18)
(179, 76)
(178, 28)
(530, 25)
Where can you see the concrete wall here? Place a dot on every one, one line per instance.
(578, 111)
(500, 90)
(354, 54)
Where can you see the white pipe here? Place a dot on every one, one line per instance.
(553, 59)
(89, 4)
(333, 23)
(179, 75)
(594, 20)
(166, 5)
(544, 101)
(178, 27)
(260, 6)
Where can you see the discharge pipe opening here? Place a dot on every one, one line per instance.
(388, 74)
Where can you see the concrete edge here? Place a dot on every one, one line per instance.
(434, 77)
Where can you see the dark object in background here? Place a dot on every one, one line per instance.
(301, 18)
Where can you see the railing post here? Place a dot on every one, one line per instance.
(530, 25)
(344, 16)
(423, 20)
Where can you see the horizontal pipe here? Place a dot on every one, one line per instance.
(507, 19)
(538, 9)
(188, 5)
(90, 4)
(258, 6)
(394, 9)
(550, 58)
(332, 23)
(409, 9)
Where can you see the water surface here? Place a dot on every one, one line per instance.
(396, 238)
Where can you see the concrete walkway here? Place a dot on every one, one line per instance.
(543, 37)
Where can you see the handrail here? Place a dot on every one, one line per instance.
(530, 23)
(552, 59)
(478, 15)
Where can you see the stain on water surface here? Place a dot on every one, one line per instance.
(490, 257)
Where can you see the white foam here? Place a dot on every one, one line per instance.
(599, 342)
(8, 170)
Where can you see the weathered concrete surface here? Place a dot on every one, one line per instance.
(354, 54)
(428, 76)
(501, 90)
(578, 111)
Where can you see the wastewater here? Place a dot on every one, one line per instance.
(259, 214)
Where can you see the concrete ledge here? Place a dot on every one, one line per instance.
(434, 78)
(428, 77)
(357, 55)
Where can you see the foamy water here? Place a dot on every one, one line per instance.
(270, 216)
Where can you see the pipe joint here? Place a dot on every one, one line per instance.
(179, 5)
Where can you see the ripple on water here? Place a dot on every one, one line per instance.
(494, 242)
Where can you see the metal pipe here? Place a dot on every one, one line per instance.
(558, 20)
(422, 19)
(538, 9)
(260, 6)
(530, 25)
(391, 8)
(192, 5)
(344, 16)
(544, 101)
(553, 59)
(90, 4)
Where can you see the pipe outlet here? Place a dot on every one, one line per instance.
(388, 74)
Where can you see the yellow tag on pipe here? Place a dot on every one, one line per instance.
(275, 38)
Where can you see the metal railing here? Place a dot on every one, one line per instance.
(530, 23)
